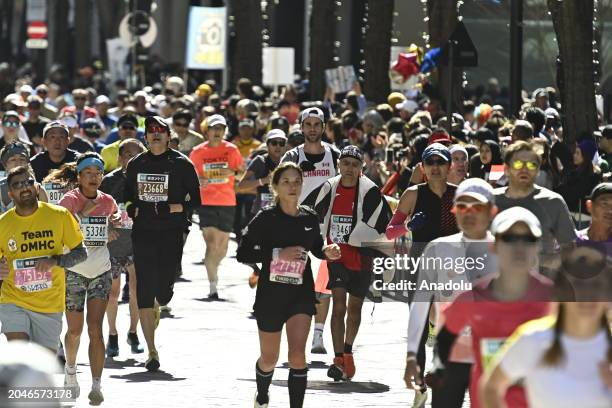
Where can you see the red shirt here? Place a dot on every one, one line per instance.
(340, 225)
(491, 322)
(219, 190)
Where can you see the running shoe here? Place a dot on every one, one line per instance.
(95, 397)
(112, 347)
(152, 363)
(349, 365)
(336, 370)
(132, 340)
(156, 314)
(420, 398)
(431, 335)
(253, 279)
(317, 345)
(165, 309)
(258, 405)
(71, 382)
(213, 297)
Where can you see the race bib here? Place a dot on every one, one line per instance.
(55, 192)
(266, 199)
(488, 349)
(126, 221)
(28, 279)
(288, 272)
(153, 188)
(95, 231)
(339, 228)
(213, 172)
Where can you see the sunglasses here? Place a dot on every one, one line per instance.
(307, 166)
(514, 238)
(18, 185)
(181, 124)
(280, 143)
(41, 92)
(520, 164)
(34, 105)
(156, 129)
(463, 207)
(128, 127)
(79, 98)
(438, 162)
(10, 124)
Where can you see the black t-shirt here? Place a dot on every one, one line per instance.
(261, 166)
(258, 244)
(42, 164)
(114, 184)
(34, 129)
(81, 145)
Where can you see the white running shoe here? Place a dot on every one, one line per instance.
(70, 381)
(317, 345)
(95, 397)
(420, 398)
(258, 405)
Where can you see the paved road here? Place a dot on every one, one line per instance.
(208, 352)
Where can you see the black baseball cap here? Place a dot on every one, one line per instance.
(352, 152)
(600, 189)
(127, 118)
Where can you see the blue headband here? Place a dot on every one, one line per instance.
(90, 162)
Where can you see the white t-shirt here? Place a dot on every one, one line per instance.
(575, 382)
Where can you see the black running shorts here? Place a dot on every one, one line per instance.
(356, 283)
(218, 216)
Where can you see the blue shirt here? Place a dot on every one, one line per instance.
(113, 136)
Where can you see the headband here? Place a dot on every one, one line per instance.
(90, 162)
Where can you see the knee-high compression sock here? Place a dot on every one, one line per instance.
(263, 380)
(297, 386)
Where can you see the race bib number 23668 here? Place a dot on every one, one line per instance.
(153, 188)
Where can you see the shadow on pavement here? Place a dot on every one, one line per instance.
(120, 364)
(313, 364)
(340, 387)
(145, 376)
(181, 279)
(207, 300)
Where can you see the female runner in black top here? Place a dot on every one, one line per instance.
(280, 237)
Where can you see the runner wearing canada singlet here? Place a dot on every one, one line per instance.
(318, 161)
(90, 281)
(494, 309)
(216, 162)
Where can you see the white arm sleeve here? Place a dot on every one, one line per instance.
(419, 313)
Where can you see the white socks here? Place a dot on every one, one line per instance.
(71, 370)
(96, 383)
(213, 287)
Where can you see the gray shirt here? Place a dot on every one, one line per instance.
(550, 209)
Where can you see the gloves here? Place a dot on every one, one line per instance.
(162, 208)
(417, 221)
(131, 210)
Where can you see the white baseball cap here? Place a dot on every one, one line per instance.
(312, 113)
(408, 105)
(214, 120)
(476, 188)
(102, 99)
(507, 218)
(276, 134)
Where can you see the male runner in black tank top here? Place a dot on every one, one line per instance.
(428, 207)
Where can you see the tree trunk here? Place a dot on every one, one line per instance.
(442, 20)
(378, 49)
(245, 45)
(82, 33)
(322, 35)
(573, 24)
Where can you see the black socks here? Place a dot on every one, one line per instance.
(297, 386)
(263, 380)
(348, 348)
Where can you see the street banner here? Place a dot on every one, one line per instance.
(278, 66)
(206, 38)
(117, 52)
(340, 79)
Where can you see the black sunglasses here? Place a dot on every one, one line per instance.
(18, 185)
(181, 124)
(307, 166)
(280, 143)
(514, 238)
(128, 127)
(79, 98)
(431, 161)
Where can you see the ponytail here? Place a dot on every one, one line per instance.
(605, 324)
(555, 354)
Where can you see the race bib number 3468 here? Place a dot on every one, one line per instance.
(153, 188)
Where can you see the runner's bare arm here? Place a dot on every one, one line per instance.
(492, 388)
(397, 226)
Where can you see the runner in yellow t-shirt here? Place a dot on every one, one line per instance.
(33, 236)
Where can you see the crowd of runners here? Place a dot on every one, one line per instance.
(96, 188)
